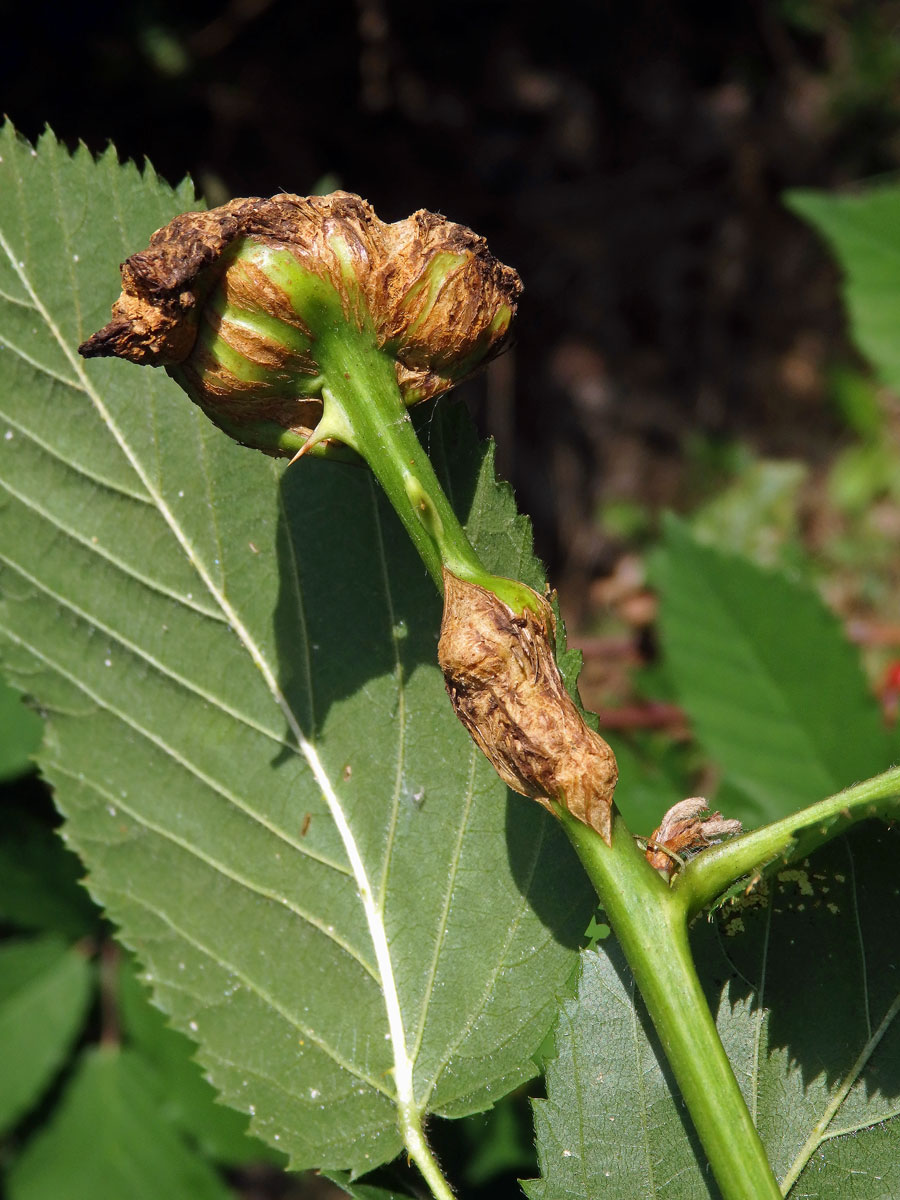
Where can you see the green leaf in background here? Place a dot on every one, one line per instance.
(45, 988)
(20, 733)
(499, 1141)
(775, 693)
(108, 1140)
(247, 731)
(864, 232)
(756, 515)
(806, 987)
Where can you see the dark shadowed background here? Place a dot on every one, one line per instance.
(627, 158)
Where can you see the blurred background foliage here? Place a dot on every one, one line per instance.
(682, 343)
(679, 324)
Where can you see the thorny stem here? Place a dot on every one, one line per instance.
(708, 875)
(422, 1155)
(363, 407)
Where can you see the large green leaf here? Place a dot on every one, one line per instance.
(809, 1015)
(327, 885)
(774, 690)
(611, 1125)
(805, 979)
(45, 987)
(20, 733)
(108, 1139)
(864, 232)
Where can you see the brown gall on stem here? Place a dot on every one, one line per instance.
(686, 829)
(503, 681)
(201, 302)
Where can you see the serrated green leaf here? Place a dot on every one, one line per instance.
(246, 727)
(45, 988)
(107, 1140)
(190, 1102)
(864, 232)
(809, 1015)
(20, 733)
(611, 1125)
(805, 979)
(774, 691)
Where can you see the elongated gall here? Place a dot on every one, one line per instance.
(245, 305)
(506, 688)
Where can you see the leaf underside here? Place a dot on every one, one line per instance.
(45, 989)
(806, 988)
(245, 726)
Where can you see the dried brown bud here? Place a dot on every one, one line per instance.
(243, 301)
(504, 683)
(446, 302)
(687, 828)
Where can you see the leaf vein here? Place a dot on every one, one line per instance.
(445, 910)
(219, 867)
(218, 959)
(77, 468)
(164, 671)
(300, 608)
(820, 1129)
(16, 300)
(500, 962)
(857, 925)
(33, 362)
(400, 713)
(120, 565)
(186, 765)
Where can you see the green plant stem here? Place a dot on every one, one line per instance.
(419, 1150)
(364, 408)
(708, 875)
(650, 924)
